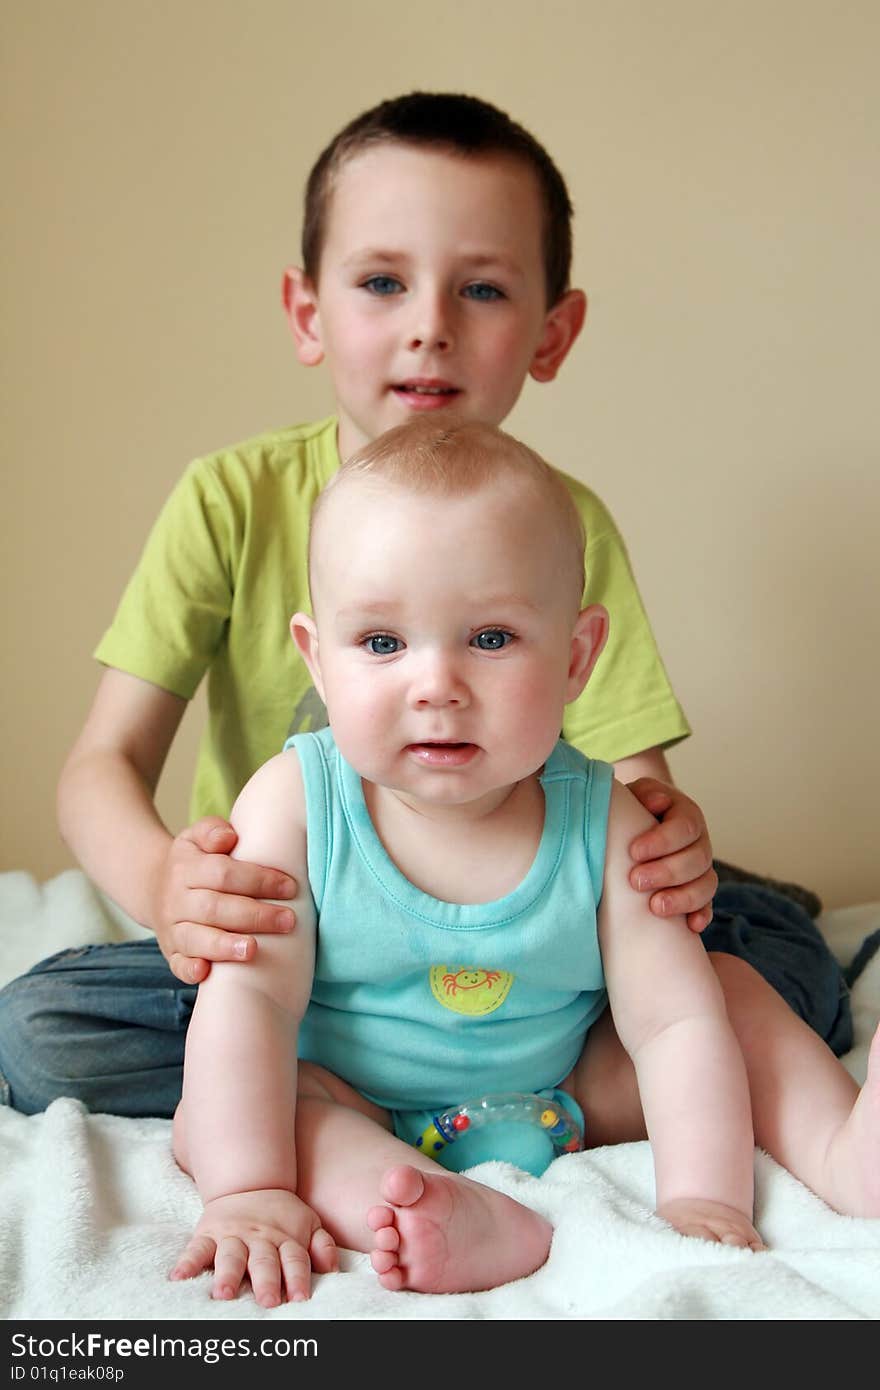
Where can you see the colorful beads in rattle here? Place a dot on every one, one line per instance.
(556, 1122)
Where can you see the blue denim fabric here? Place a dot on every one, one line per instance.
(107, 1024)
(782, 942)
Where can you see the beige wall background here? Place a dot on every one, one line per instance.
(723, 158)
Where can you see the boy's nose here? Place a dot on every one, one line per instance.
(431, 325)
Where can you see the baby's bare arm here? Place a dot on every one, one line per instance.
(669, 1012)
(236, 1126)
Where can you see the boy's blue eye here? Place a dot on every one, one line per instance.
(380, 644)
(491, 639)
(480, 290)
(383, 284)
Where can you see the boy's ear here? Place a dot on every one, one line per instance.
(300, 300)
(305, 635)
(562, 325)
(587, 640)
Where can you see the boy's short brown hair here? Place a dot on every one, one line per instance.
(447, 121)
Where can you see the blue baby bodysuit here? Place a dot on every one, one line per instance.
(420, 1003)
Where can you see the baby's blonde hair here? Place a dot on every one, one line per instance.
(457, 459)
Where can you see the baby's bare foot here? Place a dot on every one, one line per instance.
(445, 1234)
(854, 1154)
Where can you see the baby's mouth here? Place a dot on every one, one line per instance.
(443, 754)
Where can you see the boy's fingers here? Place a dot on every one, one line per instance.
(693, 897)
(195, 941)
(699, 921)
(192, 971)
(212, 834)
(654, 796)
(688, 867)
(672, 835)
(236, 876)
(235, 914)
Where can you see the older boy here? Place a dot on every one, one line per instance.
(436, 250)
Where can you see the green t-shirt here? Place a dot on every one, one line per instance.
(225, 567)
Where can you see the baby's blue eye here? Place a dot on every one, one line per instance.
(383, 645)
(383, 284)
(480, 290)
(492, 639)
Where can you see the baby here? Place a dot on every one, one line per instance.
(443, 827)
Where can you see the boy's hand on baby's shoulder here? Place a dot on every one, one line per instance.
(203, 901)
(270, 1235)
(675, 857)
(694, 1216)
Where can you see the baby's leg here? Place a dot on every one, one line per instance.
(432, 1231)
(604, 1084)
(807, 1111)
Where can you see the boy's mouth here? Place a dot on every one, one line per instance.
(425, 393)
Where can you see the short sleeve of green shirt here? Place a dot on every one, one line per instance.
(628, 705)
(171, 618)
(222, 572)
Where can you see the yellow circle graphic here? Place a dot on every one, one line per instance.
(468, 989)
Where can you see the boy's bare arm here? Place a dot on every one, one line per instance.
(670, 1015)
(675, 855)
(185, 888)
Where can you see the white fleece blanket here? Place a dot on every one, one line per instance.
(93, 1210)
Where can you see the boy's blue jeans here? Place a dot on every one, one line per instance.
(107, 1024)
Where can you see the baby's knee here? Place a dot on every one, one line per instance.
(753, 1006)
(316, 1083)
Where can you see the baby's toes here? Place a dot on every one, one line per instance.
(387, 1238)
(377, 1217)
(383, 1261)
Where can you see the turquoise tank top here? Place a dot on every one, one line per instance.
(420, 1003)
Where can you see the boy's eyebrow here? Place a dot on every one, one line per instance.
(475, 260)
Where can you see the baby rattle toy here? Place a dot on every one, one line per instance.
(553, 1120)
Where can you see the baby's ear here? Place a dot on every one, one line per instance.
(587, 640)
(305, 636)
(300, 300)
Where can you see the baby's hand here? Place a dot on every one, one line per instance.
(711, 1221)
(271, 1235)
(202, 900)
